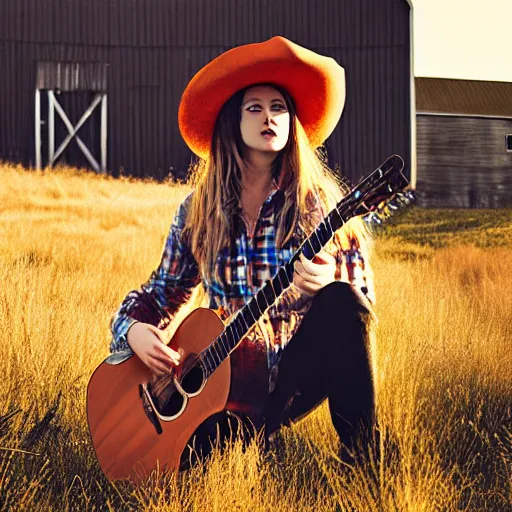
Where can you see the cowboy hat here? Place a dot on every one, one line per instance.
(315, 82)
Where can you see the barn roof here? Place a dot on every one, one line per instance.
(471, 97)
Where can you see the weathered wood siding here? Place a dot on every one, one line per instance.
(153, 47)
(463, 162)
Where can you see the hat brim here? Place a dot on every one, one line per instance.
(315, 82)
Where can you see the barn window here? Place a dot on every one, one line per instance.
(508, 142)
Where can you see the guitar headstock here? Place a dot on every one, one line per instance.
(381, 185)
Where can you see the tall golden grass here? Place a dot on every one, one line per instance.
(72, 244)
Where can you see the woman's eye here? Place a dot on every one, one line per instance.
(274, 108)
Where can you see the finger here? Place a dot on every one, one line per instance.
(156, 369)
(164, 363)
(303, 271)
(309, 284)
(324, 258)
(315, 268)
(167, 351)
(159, 367)
(298, 267)
(162, 352)
(317, 280)
(302, 286)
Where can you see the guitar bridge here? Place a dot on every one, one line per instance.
(148, 409)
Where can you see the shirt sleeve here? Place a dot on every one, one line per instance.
(353, 265)
(168, 287)
(351, 252)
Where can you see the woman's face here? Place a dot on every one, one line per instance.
(265, 120)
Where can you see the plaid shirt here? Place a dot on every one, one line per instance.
(242, 269)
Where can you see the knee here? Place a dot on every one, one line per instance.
(343, 297)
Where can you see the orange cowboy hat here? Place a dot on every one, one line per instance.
(315, 82)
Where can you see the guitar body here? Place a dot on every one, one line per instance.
(126, 442)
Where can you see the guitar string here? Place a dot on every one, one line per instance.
(257, 305)
(247, 306)
(239, 314)
(281, 280)
(264, 298)
(218, 348)
(227, 335)
(273, 289)
(214, 353)
(230, 338)
(241, 326)
(222, 343)
(318, 240)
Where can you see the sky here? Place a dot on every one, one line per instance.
(469, 39)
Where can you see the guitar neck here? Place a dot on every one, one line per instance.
(380, 185)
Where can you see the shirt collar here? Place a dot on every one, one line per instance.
(275, 188)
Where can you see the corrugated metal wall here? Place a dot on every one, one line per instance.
(153, 47)
(463, 162)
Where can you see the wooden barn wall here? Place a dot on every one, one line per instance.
(153, 47)
(463, 162)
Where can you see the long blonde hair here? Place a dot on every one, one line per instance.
(300, 170)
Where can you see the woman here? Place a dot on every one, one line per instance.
(255, 115)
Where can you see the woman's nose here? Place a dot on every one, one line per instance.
(269, 118)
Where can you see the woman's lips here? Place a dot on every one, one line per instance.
(268, 134)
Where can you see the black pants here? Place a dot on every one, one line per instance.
(328, 357)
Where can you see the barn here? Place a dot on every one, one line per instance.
(464, 149)
(97, 83)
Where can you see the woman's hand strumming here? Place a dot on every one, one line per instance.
(149, 343)
(312, 276)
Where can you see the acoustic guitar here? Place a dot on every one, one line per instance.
(139, 422)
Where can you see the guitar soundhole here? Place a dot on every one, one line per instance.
(192, 381)
(173, 405)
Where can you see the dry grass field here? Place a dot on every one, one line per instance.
(73, 244)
